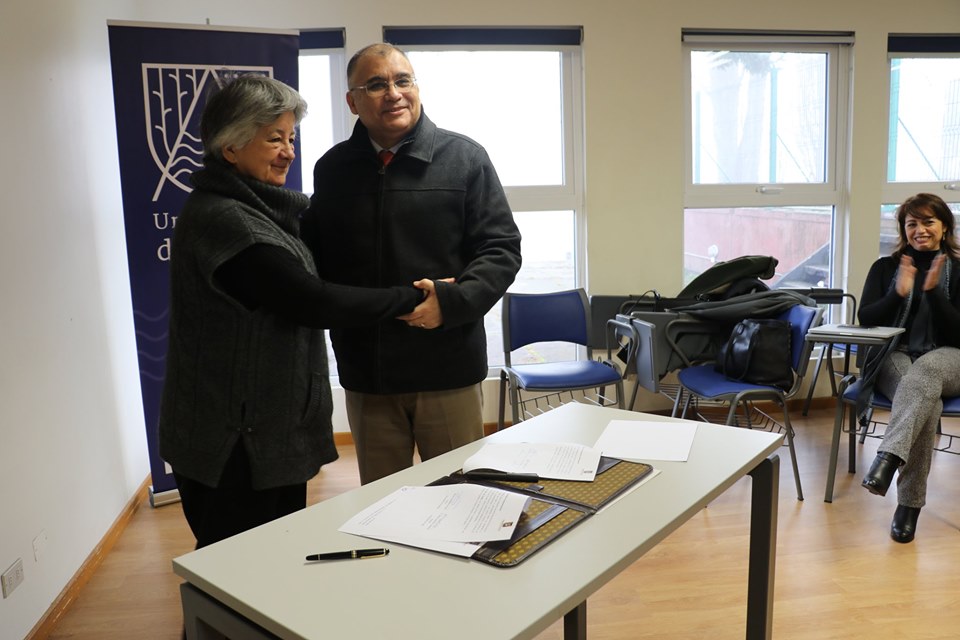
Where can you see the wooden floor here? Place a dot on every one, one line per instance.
(838, 574)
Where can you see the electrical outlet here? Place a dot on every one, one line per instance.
(12, 578)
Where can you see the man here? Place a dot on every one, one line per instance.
(434, 208)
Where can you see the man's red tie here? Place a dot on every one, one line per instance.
(386, 157)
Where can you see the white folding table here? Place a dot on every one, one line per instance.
(257, 584)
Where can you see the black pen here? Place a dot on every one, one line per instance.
(502, 476)
(355, 554)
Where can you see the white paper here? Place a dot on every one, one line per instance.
(639, 440)
(446, 513)
(559, 461)
(463, 549)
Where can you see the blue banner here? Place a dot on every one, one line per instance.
(161, 77)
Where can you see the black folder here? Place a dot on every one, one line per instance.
(555, 507)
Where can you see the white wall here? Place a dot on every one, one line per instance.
(72, 447)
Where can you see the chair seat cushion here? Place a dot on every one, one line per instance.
(880, 401)
(562, 375)
(706, 382)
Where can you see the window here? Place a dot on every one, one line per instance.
(763, 163)
(317, 129)
(535, 144)
(524, 140)
(322, 85)
(923, 143)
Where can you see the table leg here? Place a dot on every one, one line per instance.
(763, 548)
(206, 619)
(575, 623)
(852, 442)
(813, 380)
(835, 447)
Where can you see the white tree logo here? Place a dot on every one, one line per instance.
(173, 97)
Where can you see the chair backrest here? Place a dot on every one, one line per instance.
(801, 319)
(828, 296)
(648, 355)
(561, 316)
(621, 342)
(603, 308)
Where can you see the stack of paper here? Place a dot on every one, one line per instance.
(454, 519)
(647, 440)
(560, 461)
(461, 517)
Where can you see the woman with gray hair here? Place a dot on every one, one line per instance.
(245, 417)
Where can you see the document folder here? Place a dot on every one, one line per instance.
(555, 507)
(824, 332)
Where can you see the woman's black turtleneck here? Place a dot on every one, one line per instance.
(881, 305)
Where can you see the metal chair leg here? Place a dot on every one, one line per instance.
(834, 450)
(633, 396)
(868, 416)
(813, 380)
(732, 414)
(833, 373)
(852, 451)
(676, 402)
(686, 404)
(793, 451)
(503, 400)
(515, 403)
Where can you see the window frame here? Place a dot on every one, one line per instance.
(916, 46)
(565, 197)
(341, 118)
(834, 190)
(329, 42)
(568, 42)
(785, 193)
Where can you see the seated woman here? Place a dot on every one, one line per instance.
(918, 288)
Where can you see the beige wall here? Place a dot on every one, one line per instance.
(72, 449)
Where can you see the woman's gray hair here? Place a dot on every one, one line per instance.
(234, 114)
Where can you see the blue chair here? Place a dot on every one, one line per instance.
(702, 382)
(563, 316)
(847, 392)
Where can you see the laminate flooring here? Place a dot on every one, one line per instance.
(838, 573)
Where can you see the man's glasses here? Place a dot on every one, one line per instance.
(377, 88)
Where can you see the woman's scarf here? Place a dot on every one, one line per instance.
(919, 341)
(281, 205)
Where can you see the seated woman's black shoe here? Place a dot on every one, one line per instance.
(904, 525)
(878, 479)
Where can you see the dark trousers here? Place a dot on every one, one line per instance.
(233, 506)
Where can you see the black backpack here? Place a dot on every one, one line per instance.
(722, 281)
(731, 278)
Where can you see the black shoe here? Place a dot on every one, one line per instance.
(878, 479)
(904, 525)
